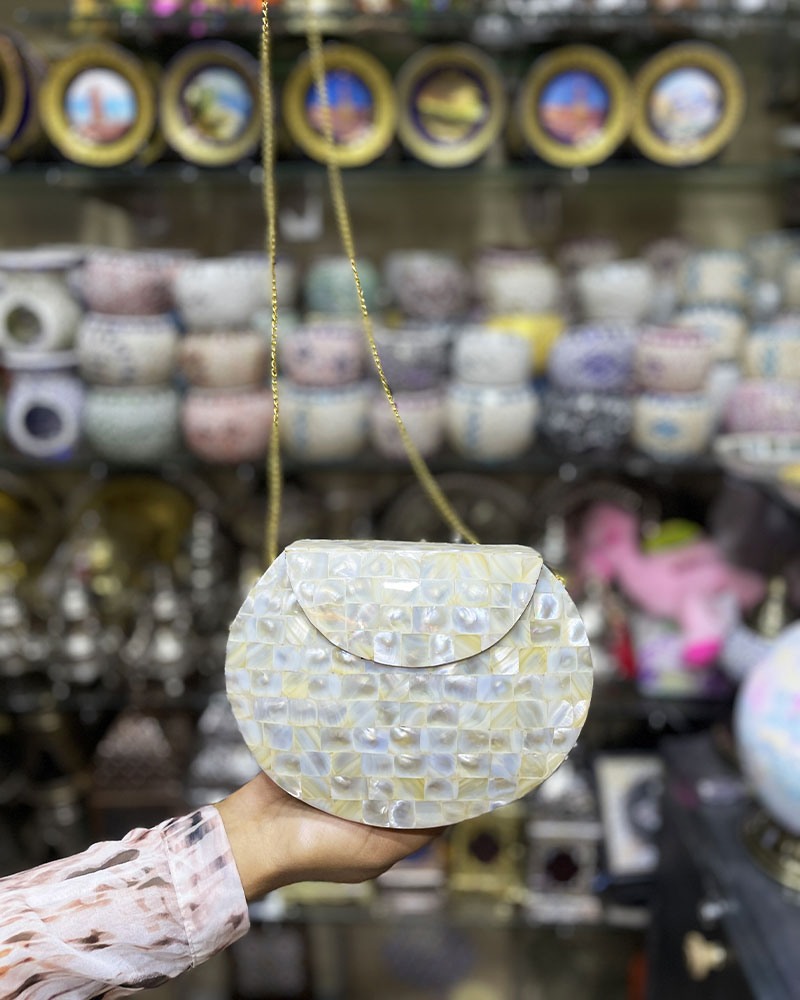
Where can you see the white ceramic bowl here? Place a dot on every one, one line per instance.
(423, 416)
(323, 352)
(773, 352)
(427, 286)
(491, 358)
(132, 424)
(619, 291)
(224, 360)
(672, 426)
(716, 276)
(221, 293)
(725, 326)
(490, 424)
(516, 281)
(324, 425)
(673, 360)
(127, 350)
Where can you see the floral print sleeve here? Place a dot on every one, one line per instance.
(123, 915)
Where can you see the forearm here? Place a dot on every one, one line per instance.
(121, 916)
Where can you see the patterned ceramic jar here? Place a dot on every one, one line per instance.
(427, 286)
(790, 283)
(221, 293)
(726, 326)
(324, 352)
(129, 282)
(325, 425)
(764, 405)
(540, 330)
(577, 422)
(719, 276)
(127, 350)
(773, 352)
(517, 281)
(672, 427)
(227, 425)
(488, 423)
(620, 291)
(673, 360)
(486, 357)
(37, 313)
(593, 359)
(414, 357)
(44, 403)
(134, 424)
(224, 360)
(423, 416)
(330, 288)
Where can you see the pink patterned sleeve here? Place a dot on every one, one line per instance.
(123, 915)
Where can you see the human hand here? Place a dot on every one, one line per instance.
(277, 840)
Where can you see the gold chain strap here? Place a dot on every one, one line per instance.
(418, 463)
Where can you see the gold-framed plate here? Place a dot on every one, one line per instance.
(209, 104)
(29, 136)
(98, 105)
(689, 102)
(452, 105)
(12, 91)
(361, 100)
(574, 107)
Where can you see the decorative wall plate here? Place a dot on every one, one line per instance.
(574, 106)
(209, 104)
(408, 684)
(361, 100)
(98, 106)
(12, 91)
(29, 133)
(689, 101)
(452, 104)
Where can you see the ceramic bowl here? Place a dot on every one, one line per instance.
(127, 350)
(593, 359)
(726, 326)
(53, 259)
(718, 276)
(757, 456)
(45, 400)
(517, 281)
(490, 424)
(224, 360)
(667, 255)
(773, 352)
(423, 416)
(324, 352)
(764, 405)
(224, 426)
(132, 424)
(129, 282)
(721, 384)
(672, 426)
(540, 330)
(672, 359)
(770, 252)
(575, 255)
(221, 293)
(330, 289)
(37, 313)
(427, 286)
(620, 291)
(577, 422)
(414, 357)
(287, 278)
(790, 283)
(325, 425)
(288, 322)
(486, 357)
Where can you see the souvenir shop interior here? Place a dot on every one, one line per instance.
(577, 233)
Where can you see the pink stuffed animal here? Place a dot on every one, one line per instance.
(691, 585)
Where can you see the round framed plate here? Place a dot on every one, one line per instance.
(98, 106)
(574, 106)
(12, 91)
(689, 102)
(29, 135)
(361, 100)
(452, 105)
(209, 104)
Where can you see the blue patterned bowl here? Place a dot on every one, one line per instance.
(593, 359)
(673, 427)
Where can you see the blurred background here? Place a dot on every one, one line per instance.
(578, 225)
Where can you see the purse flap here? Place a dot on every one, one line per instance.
(408, 604)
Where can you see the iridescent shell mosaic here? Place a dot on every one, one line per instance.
(408, 685)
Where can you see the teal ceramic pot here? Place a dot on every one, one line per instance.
(330, 288)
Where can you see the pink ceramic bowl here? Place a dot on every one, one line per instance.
(227, 425)
(764, 405)
(324, 352)
(224, 360)
(673, 360)
(423, 416)
(129, 282)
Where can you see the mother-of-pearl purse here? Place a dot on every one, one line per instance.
(402, 684)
